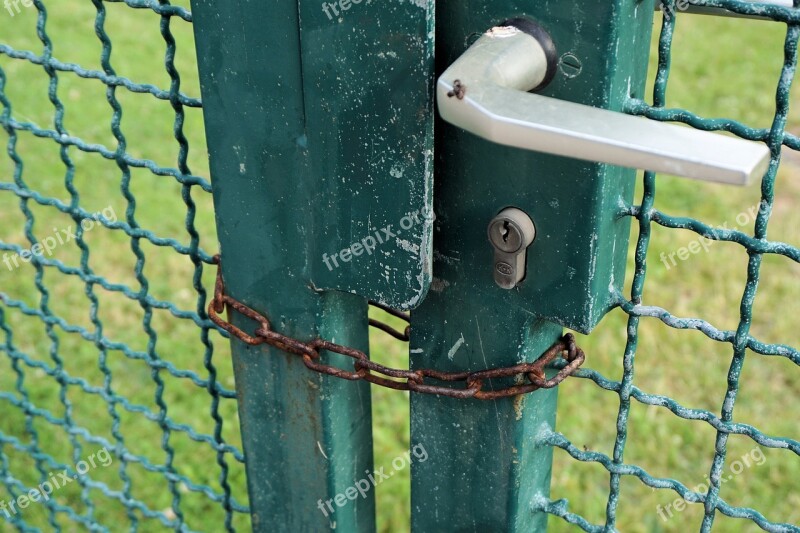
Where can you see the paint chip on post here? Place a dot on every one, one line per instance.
(459, 343)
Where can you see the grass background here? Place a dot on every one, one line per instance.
(721, 68)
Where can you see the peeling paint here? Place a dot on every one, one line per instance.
(459, 343)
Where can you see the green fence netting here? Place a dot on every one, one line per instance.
(740, 339)
(96, 405)
(55, 394)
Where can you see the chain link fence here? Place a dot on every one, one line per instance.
(114, 410)
(93, 362)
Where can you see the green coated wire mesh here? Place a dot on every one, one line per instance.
(80, 338)
(740, 340)
(95, 390)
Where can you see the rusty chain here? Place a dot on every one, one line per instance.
(414, 379)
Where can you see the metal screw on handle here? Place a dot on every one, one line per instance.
(486, 92)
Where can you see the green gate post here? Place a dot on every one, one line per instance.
(304, 435)
(311, 153)
(485, 470)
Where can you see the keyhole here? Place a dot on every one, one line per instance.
(505, 231)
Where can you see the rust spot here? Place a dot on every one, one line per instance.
(459, 90)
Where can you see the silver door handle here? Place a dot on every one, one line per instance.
(485, 91)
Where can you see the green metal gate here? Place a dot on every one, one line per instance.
(334, 187)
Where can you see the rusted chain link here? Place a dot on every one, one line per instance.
(414, 379)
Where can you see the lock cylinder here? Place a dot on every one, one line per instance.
(511, 232)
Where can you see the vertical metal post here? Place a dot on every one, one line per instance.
(306, 436)
(485, 470)
(484, 466)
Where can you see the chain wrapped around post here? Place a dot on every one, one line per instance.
(414, 379)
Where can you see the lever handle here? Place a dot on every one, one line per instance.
(485, 91)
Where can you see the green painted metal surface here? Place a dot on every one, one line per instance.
(320, 136)
(578, 258)
(484, 466)
(368, 109)
(365, 101)
(485, 470)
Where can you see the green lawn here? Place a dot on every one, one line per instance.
(721, 68)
